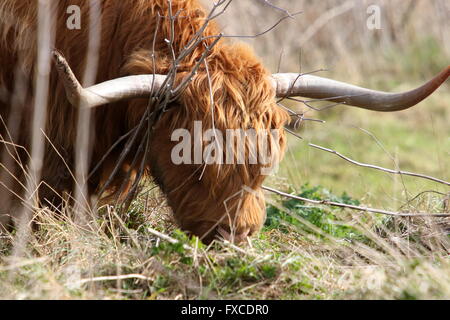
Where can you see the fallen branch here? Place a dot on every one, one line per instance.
(353, 207)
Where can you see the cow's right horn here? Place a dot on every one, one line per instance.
(310, 86)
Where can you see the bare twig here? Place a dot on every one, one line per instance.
(268, 3)
(293, 133)
(263, 32)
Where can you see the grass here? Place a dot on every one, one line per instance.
(393, 141)
(303, 251)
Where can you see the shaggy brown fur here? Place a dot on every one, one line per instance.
(242, 94)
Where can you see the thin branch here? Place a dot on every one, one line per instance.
(268, 30)
(109, 151)
(327, 107)
(293, 133)
(263, 32)
(300, 115)
(354, 207)
(365, 165)
(268, 3)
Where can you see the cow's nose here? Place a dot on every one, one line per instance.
(234, 237)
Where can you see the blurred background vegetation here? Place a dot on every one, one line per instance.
(412, 45)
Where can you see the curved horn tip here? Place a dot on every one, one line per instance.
(73, 88)
(443, 75)
(447, 72)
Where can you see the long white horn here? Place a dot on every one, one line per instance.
(293, 84)
(140, 86)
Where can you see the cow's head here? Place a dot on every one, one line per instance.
(216, 140)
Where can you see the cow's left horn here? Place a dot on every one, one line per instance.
(140, 86)
(305, 85)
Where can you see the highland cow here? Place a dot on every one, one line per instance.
(224, 85)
